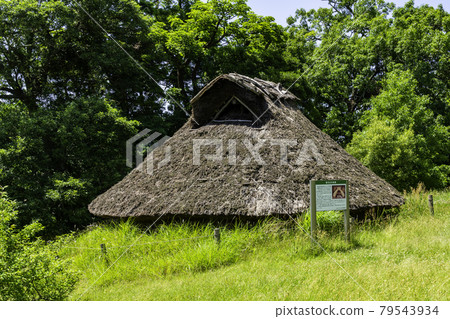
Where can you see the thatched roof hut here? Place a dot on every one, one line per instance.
(247, 150)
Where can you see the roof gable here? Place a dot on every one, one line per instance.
(258, 96)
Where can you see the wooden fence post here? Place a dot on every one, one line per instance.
(217, 236)
(430, 204)
(103, 248)
(347, 224)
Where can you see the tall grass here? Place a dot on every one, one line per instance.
(165, 250)
(328, 221)
(397, 256)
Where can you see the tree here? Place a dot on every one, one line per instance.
(402, 141)
(346, 64)
(52, 52)
(355, 42)
(54, 161)
(420, 41)
(201, 40)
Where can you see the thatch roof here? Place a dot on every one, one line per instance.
(243, 185)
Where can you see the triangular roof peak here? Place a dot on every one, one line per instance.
(255, 94)
(270, 89)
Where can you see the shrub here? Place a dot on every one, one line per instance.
(29, 269)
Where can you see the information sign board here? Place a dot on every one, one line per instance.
(329, 195)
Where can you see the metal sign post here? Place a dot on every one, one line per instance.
(347, 214)
(329, 195)
(312, 208)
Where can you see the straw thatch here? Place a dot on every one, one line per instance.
(224, 111)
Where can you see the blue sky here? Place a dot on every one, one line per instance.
(282, 9)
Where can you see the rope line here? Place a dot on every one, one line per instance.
(143, 244)
(320, 55)
(85, 248)
(109, 35)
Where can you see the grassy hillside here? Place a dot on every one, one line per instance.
(403, 257)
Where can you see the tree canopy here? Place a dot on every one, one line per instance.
(371, 75)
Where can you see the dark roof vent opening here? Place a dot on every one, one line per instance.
(235, 112)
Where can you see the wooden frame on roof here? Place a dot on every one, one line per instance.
(228, 103)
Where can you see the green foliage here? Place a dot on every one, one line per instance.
(402, 141)
(343, 55)
(29, 269)
(164, 251)
(55, 161)
(51, 53)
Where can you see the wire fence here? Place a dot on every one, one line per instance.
(216, 236)
(103, 246)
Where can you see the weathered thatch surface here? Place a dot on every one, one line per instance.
(251, 187)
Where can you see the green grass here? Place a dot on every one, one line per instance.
(403, 257)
